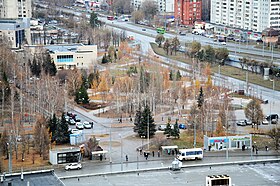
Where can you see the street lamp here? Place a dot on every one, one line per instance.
(121, 153)
(227, 141)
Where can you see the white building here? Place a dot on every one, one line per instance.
(255, 15)
(163, 5)
(17, 9)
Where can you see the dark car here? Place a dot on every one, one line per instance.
(182, 126)
(272, 117)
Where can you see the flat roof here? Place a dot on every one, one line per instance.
(63, 48)
(47, 177)
(70, 149)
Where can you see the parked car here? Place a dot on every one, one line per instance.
(75, 131)
(79, 126)
(143, 29)
(182, 126)
(248, 122)
(87, 125)
(162, 127)
(265, 101)
(71, 122)
(223, 43)
(265, 122)
(241, 123)
(73, 166)
(77, 119)
(271, 117)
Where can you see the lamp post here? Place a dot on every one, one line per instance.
(3, 97)
(121, 153)
(227, 141)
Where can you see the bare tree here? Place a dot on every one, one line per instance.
(41, 137)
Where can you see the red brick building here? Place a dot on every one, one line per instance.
(188, 11)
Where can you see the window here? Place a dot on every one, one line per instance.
(64, 58)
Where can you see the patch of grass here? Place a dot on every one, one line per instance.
(225, 70)
(187, 138)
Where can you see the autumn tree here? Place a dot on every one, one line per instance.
(137, 16)
(103, 86)
(253, 111)
(41, 137)
(149, 8)
(74, 81)
(90, 146)
(159, 40)
(221, 54)
(209, 53)
(175, 43)
(194, 48)
(275, 135)
(166, 46)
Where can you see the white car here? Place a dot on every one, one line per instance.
(75, 131)
(223, 43)
(73, 166)
(72, 122)
(87, 125)
(79, 126)
(241, 123)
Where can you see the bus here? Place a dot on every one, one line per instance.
(190, 154)
(161, 30)
(110, 18)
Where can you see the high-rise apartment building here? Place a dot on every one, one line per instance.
(15, 9)
(15, 21)
(206, 7)
(188, 11)
(164, 6)
(254, 15)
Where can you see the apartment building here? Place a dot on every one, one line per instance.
(188, 11)
(15, 9)
(164, 6)
(206, 7)
(254, 15)
(10, 11)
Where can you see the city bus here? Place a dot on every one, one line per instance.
(110, 18)
(161, 30)
(190, 154)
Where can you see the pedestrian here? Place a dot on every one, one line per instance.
(158, 153)
(172, 152)
(126, 157)
(101, 157)
(256, 150)
(168, 151)
(176, 151)
(266, 148)
(153, 153)
(209, 147)
(140, 151)
(253, 146)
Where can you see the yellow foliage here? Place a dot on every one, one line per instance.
(220, 131)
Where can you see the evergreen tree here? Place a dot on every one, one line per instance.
(168, 129)
(137, 120)
(52, 125)
(48, 65)
(61, 134)
(94, 22)
(171, 75)
(176, 131)
(82, 95)
(146, 123)
(178, 76)
(200, 99)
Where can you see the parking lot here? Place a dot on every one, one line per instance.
(241, 175)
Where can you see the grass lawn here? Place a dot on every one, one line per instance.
(225, 70)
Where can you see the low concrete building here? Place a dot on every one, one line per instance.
(220, 143)
(64, 155)
(70, 56)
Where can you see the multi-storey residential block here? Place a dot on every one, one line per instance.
(164, 6)
(15, 9)
(206, 7)
(10, 11)
(188, 11)
(255, 15)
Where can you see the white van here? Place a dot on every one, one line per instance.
(190, 154)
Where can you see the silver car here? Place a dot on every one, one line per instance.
(73, 166)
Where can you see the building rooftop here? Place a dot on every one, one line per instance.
(47, 177)
(70, 149)
(63, 48)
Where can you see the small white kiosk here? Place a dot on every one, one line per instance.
(233, 142)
